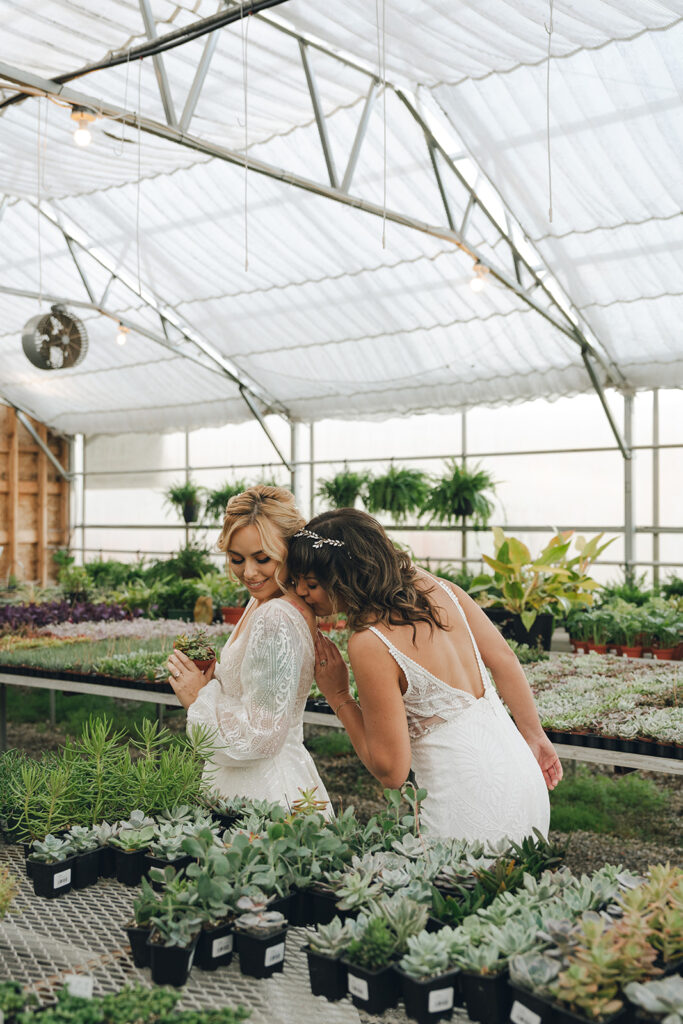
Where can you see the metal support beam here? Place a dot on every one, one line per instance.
(311, 469)
(359, 136)
(198, 82)
(655, 486)
(629, 496)
(590, 369)
(256, 413)
(25, 421)
(319, 116)
(79, 268)
(159, 69)
(439, 182)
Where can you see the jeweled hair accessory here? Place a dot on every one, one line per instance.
(318, 541)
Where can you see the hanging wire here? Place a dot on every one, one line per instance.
(549, 29)
(137, 205)
(382, 72)
(119, 152)
(41, 141)
(245, 68)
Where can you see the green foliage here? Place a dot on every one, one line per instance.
(634, 591)
(188, 563)
(217, 499)
(343, 489)
(459, 494)
(110, 574)
(399, 492)
(374, 946)
(606, 804)
(186, 498)
(331, 743)
(527, 655)
(8, 890)
(673, 587)
(75, 582)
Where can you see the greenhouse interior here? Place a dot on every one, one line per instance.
(341, 563)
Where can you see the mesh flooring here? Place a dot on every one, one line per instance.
(84, 933)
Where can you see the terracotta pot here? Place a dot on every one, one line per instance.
(231, 615)
(599, 648)
(632, 652)
(663, 653)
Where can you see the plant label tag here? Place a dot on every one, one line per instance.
(80, 985)
(221, 946)
(274, 954)
(358, 987)
(521, 1014)
(441, 999)
(61, 879)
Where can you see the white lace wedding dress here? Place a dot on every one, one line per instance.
(481, 778)
(254, 705)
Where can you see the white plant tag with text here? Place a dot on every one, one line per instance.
(521, 1014)
(79, 985)
(61, 879)
(274, 954)
(358, 987)
(441, 999)
(221, 946)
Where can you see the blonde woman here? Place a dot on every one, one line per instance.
(253, 699)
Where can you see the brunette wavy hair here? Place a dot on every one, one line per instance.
(273, 511)
(376, 581)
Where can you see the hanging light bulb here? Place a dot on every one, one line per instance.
(83, 117)
(122, 336)
(478, 282)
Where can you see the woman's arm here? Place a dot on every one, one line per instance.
(378, 732)
(512, 685)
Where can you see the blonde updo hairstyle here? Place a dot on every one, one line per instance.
(273, 511)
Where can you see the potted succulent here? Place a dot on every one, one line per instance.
(172, 943)
(197, 647)
(166, 849)
(660, 1000)
(131, 843)
(187, 498)
(459, 494)
(399, 492)
(52, 862)
(369, 962)
(429, 981)
(262, 935)
(327, 973)
(86, 847)
(104, 832)
(145, 906)
(344, 488)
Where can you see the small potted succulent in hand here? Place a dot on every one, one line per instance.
(52, 866)
(197, 647)
(262, 935)
(86, 847)
(324, 950)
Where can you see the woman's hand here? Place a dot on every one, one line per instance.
(186, 679)
(331, 672)
(546, 755)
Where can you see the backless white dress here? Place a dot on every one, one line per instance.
(481, 778)
(254, 706)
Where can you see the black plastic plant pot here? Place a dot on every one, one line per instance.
(107, 862)
(171, 964)
(160, 862)
(372, 991)
(261, 957)
(301, 909)
(282, 904)
(564, 1016)
(28, 863)
(215, 947)
(225, 820)
(139, 946)
(487, 997)
(528, 1008)
(434, 924)
(50, 880)
(327, 974)
(130, 866)
(86, 869)
(432, 999)
(324, 907)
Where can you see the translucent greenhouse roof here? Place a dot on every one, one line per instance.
(388, 146)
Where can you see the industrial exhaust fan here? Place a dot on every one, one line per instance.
(54, 340)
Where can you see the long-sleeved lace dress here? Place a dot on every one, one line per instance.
(254, 705)
(481, 778)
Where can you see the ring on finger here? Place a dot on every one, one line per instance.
(323, 661)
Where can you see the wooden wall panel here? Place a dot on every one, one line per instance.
(34, 500)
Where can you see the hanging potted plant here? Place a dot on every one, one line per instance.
(399, 492)
(186, 498)
(216, 500)
(344, 488)
(197, 647)
(461, 494)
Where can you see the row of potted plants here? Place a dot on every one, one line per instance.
(655, 626)
(131, 1003)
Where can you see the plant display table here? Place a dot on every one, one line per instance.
(41, 941)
